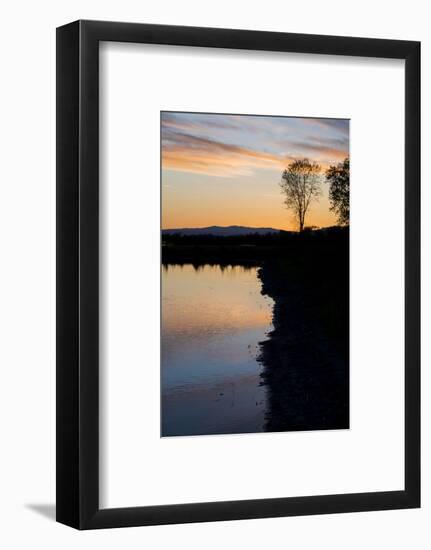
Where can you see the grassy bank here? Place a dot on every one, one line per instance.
(246, 249)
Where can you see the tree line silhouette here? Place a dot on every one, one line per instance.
(301, 184)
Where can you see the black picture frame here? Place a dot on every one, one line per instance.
(78, 274)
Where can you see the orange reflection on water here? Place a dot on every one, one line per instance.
(212, 299)
(213, 320)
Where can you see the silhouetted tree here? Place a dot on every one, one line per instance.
(300, 183)
(339, 179)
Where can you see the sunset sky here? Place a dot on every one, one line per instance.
(226, 169)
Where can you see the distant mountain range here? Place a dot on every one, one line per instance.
(230, 231)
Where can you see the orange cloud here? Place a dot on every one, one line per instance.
(187, 153)
(220, 161)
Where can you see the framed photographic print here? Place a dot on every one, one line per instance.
(238, 258)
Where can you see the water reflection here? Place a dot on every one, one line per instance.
(213, 318)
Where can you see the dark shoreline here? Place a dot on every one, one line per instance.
(306, 356)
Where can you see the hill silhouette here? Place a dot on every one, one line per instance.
(220, 231)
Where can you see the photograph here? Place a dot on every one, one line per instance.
(255, 273)
(212, 336)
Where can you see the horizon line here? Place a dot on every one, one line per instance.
(223, 227)
(247, 227)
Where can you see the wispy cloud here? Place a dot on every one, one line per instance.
(340, 126)
(234, 145)
(194, 154)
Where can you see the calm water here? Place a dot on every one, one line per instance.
(213, 319)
